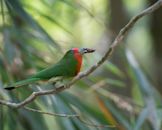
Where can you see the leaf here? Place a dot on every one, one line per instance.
(60, 107)
(146, 87)
(106, 112)
(150, 95)
(114, 82)
(2, 11)
(141, 118)
(117, 114)
(49, 18)
(30, 120)
(114, 69)
(9, 48)
(16, 7)
(85, 109)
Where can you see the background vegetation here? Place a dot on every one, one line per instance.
(125, 92)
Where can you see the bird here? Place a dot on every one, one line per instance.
(68, 66)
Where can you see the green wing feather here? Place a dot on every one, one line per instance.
(66, 67)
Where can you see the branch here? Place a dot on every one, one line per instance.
(69, 116)
(118, 39)
(95, 125)
(51, 113)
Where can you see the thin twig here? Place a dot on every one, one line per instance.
(69, 116)
(117, 40)
(51, 113)
(95, 125)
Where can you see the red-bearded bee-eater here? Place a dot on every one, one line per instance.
(68, 66)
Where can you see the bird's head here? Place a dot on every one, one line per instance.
(83, 51)
(78, 52)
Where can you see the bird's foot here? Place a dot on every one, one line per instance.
(54, 83)
(66, 86)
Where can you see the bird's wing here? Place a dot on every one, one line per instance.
(65, 68)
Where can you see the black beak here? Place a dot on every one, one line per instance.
(87, 50)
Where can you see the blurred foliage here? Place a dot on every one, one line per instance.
(35, 34)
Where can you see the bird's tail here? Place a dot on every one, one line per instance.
(21, 83)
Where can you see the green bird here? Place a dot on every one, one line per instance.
(68, 66)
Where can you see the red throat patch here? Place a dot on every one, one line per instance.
(78, 57)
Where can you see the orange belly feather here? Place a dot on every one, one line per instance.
(78, 57)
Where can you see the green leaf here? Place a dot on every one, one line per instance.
(114, 82)
(16, 7)
(60, 107)
(117, 113)
(141, 118)
(114, 69)
(49, 18)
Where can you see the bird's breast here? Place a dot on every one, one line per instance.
(78, 57)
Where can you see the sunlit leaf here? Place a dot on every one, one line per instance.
(16, 6)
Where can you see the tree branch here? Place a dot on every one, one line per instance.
(118, 39)
(69, 116)
(51, 113)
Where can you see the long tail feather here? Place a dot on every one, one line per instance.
(21, 83)
(9, 88)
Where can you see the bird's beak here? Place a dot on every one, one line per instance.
(87, 50)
